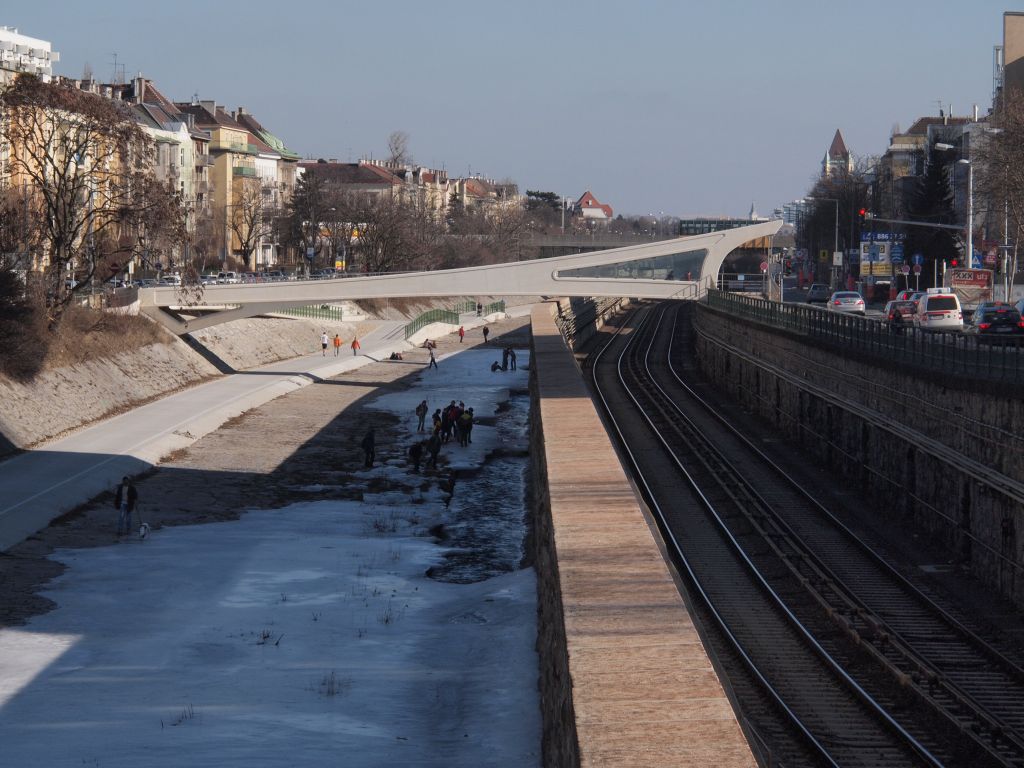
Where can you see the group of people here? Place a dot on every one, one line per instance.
(454, 420)
(508, 360)
(325, 342)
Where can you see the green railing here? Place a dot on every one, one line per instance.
(464, 307)
(433, 316)
(316, 312)
(497, 306)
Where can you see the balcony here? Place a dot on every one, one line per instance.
(236, 147)
(203, 159)
(244, 170)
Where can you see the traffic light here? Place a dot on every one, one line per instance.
(865, 214)
(954, 262)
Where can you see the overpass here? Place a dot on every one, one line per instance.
(681, 268)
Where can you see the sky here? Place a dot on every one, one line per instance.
(308, 635)
(671, 107)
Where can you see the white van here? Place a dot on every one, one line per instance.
(939, 310)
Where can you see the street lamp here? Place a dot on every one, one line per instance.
(969, 243)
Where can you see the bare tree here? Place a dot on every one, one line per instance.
(252, 218)
(999, 167)
(87, 166)
(398, 148)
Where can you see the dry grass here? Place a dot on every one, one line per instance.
(83, 334)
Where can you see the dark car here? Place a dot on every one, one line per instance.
(818, 292)
(900, 315)
(996, 320)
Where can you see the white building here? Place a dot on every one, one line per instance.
(20, 53)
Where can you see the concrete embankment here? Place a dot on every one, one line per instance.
(624, 677)
(60, 400)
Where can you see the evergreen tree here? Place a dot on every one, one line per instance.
(932, 202)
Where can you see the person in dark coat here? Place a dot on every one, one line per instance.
(124, 502)
(416, 455)
(433, 448)
(512, 358)
(369, 446)
(486, 331)
(421, 415)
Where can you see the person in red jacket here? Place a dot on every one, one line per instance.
(355, 346)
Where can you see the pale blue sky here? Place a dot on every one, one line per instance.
(690, 108)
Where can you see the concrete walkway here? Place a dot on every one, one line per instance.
(41, 485)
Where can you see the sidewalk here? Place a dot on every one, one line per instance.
(41, 485)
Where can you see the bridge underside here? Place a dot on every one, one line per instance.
(682, 268)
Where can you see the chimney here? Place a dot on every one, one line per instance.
(975, 113)
(209, 106)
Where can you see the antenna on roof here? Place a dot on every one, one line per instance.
(118, 76)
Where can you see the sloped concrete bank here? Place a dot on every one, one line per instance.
(940, 457)
(61, 400)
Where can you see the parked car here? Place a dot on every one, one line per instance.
(899, 315)
(209, 279)
(818, 292)
(939, 310)
(275, 275)
(995, 320)
(905, 295)
(846, 301)
(230, 278)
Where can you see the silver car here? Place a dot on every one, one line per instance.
(846, 301)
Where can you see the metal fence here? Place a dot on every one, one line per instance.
(433, 316)
(317, 312)
(494, 306)
(990, 359)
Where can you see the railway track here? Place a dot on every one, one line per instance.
(870, 674)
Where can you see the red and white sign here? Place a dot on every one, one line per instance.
(981, 278)
(764, 266)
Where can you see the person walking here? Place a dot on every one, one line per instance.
(356, 346)
(124, 502)
(433, 360)
(504, 358)
(512, 358)
(323, 343)
(479, 309)
(369, 449)
(486, 332)
(337, 344)
(462, 333)
(421, 415)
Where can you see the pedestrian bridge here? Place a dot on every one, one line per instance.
(682, 268)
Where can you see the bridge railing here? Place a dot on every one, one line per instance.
(494, 306)
(946, 353)
(432, 316)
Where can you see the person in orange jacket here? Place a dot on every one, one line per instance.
(337, 344)
(355, 347)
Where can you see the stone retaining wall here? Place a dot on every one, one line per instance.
(883, 450)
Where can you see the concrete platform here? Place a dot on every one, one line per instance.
(625, 679)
